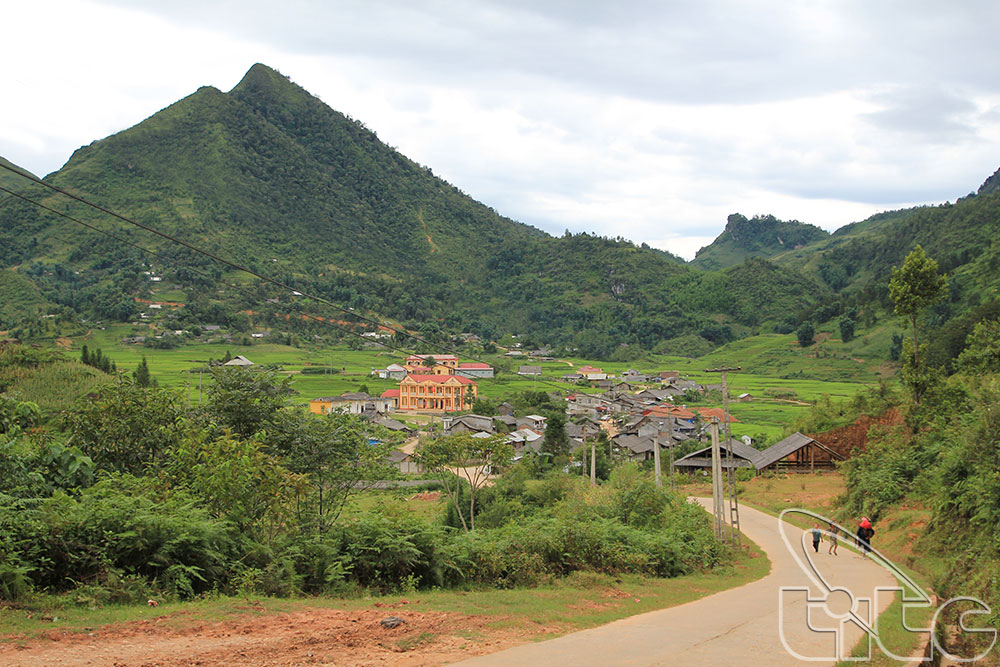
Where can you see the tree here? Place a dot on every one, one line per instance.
(913, 288)
(556, 441)
(896, 346)
(238, 480)
(333, 453)
(246, 399)
(141, 373)
(805, 333)
(846, 329)
(462, 458)
(125, 427)
(982, 352)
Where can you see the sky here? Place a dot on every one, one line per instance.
(652, 120)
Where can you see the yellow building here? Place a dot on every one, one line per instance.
(444, 393)
(431, 363)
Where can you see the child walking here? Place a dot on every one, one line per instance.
(833, 539)
(816, 535)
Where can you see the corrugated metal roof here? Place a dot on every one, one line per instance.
(792, 443)
(738, 448)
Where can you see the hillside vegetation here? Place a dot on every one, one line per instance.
(270, 177)
(760, 236)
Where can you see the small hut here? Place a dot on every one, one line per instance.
(744, 456)
(798, 453)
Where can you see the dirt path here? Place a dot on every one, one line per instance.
(427, 233)
(312, 637)
(738, 626)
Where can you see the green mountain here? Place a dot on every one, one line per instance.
(270, 177)
(10, 180)
(760, 236)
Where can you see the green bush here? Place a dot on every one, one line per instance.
(113, 532)
(385, 550)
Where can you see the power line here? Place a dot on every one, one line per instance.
(236, 266)
(348, 311)
(174, 263)
(233, 265)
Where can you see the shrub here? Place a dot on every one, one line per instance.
(117, 532)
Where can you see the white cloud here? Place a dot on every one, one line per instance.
(642, 119)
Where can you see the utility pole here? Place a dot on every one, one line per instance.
(593, 458)
(718, 516)
(670, 448)
(734, 507)
(656, 456)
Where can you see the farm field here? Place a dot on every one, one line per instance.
(777, 401)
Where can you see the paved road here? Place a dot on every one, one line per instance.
(737, 626)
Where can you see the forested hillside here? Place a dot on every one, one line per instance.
(270, 177)
(8, 179)
(760, 236)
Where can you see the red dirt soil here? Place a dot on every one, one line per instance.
(855, 436)
(313, 637)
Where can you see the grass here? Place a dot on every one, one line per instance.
(394, 500)
(892, 634)
(576, 602)
(179, 369)
(820, 492)
(74, 381)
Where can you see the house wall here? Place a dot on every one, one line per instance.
(434, 396)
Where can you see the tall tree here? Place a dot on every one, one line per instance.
(141, 373)
(846, 329)
(246, 399)
(913, 288)
(125, 427)
(461, 458)
(556, 441)
(805, 333)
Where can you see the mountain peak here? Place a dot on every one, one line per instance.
(260, 75)
(270, 92)
(759, 236)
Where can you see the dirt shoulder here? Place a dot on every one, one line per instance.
(316, 636)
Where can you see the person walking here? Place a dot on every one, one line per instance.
(833, 539)
(863, 536)
(816, 535)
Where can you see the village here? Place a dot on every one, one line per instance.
(633, 413)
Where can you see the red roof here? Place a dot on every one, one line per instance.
(473, 364)
(709, 413)
(446, 357)
(440, 379)
(390, 393)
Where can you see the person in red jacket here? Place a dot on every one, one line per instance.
(864, 536)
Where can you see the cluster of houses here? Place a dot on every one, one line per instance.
(636, 420)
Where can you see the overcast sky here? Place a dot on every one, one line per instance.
(647, 119)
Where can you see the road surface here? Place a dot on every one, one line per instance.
(737, 626)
